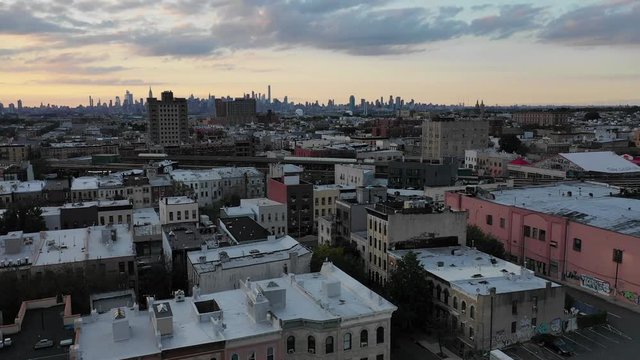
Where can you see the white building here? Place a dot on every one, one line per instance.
(213, 185)
(131, 186)
(354, 175)
(178, 209)
(220, 269)
(270, 214)
(465, 280)
(326, 315)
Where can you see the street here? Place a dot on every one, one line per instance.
(616, 340)
(405, 348)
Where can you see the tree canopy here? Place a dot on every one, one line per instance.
(22, 216)
(485, 242)
(410, 291)
(341, 257)
(512, 144)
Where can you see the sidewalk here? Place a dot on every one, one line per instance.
(431, 344)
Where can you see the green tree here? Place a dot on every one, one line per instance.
(344, 259)
(512, 144)
(22, 216)
(486, 243)
(410, 291)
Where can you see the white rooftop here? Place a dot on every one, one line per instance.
(178, 200)
(213, 174)
(589, 203)
(474, 272)
(145, 216)
(602, 161)
(305, 298)
(84, 183)
(333, 187)
(259, 202)
(100, 203)
(272, 250)
(15, 186)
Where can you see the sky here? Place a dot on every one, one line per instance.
(434, 51)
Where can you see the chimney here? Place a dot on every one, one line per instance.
(120, 325)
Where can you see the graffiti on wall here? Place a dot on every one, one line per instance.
(595, 284)
(631, 296)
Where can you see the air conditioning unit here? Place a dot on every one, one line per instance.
(363, 344)
(312, 351)
(291, 351)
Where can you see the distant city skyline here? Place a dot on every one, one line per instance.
(536, 53)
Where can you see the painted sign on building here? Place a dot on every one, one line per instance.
(595, 284)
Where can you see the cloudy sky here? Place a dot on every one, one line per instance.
(440, 51)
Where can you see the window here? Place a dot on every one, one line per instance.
(311, 344)
(379, 335)
(346, 341)
(380, 357)
(119, 219)
(438, 291)
(472, 312)
(446, 296)
(179, 215)
(171, 216)
(534, 322)
(502, 223)
(455, 302)
(328, 345)
(542, 235)
(577, 244)
(252, 356)
(463, 307)
(291, 344)
(186, 214)
(514, 307)
(364, 338)
(270, 355)
(121, 267)
(513, 327)
(489, 219)
(131, 268)
(235, 357)
(471, 333)
(527, 231)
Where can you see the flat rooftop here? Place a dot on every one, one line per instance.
(179, 200)
(15, 186)
(244, 229)
(475, 272)
(145, 216)
(589, 203)
(246, 254)
(259, 202)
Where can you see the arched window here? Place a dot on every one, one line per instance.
(364, 338)
(291, 344)
(270, 355)
(463, 306)
(311, 344)
(328, 345)
(235, 357)
(346, 341)
(446, 296)
(472, 312)
(455, 302)
(379, 335)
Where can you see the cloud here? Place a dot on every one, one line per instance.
(97, 82)
(610, 23)
(16, 20)
(510, 20)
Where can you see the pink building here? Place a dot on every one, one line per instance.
(576, 232)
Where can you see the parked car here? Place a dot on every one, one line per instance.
(43, 343)
(555, 344)
(7, 342)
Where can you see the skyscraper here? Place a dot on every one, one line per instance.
(269, 94)
(168, 123)
(19, 104)
(118, 104)
(128, 99)
(352, 103)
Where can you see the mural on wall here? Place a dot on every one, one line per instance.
(631, 296)
(591, 283)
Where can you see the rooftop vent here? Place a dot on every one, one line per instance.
(179, 295)
(440, 263)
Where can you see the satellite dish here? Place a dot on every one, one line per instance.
(299, 112)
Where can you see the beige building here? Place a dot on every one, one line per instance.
(178, 209)
(15, 152)
(135, 188)
(325, 197)
(449, 137)
(474, 292)
(168, 122)
(411, 222)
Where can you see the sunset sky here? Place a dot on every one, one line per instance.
(440, 51)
